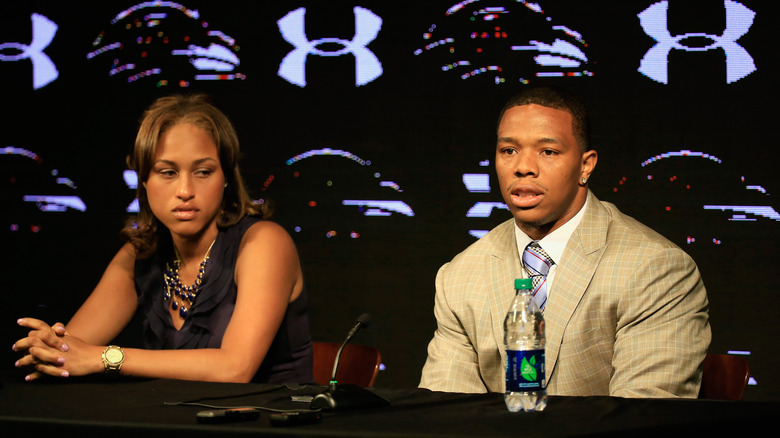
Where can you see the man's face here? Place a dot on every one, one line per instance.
(540, 168)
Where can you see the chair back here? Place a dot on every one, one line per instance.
(358, 364)
(724, 377)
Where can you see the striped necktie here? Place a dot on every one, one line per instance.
(537, 264)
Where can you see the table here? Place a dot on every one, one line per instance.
(140, 408)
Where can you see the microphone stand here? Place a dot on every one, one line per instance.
(347, 396)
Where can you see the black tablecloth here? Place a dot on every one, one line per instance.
(141, 408)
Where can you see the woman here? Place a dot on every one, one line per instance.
(220, 289)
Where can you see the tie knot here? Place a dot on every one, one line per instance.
(536, 260)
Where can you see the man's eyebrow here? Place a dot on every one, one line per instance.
(546, 140)
(543, 140)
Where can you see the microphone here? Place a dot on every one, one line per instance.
(341, 397)
(361, 322)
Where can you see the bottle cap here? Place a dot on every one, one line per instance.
(523, 283)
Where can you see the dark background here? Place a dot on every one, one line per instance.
(417, 126)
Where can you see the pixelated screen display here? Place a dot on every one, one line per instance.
(369, 126)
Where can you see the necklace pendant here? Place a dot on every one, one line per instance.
(175, 290)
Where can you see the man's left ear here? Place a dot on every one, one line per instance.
(589, 160)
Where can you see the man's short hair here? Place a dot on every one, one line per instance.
(557, 99)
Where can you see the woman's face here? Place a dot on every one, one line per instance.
(186, 182)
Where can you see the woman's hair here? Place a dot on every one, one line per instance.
(144, 230)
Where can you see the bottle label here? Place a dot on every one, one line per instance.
(525, 370)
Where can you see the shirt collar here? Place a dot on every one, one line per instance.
(555, 242)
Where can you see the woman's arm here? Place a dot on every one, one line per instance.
(268, 275)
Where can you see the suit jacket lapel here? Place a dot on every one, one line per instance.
(503, 267)
(575, 271)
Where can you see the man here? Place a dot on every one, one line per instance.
(625, 311)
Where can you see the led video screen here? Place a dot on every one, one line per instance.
(369, 127)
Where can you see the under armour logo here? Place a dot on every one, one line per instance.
(44, 70)
(738, 21)
(293, 66)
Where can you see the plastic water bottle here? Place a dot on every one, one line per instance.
(524, 343)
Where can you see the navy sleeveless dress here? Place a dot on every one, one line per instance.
(289, 359)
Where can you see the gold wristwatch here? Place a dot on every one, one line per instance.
(113, 357)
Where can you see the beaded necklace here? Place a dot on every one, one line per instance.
(176, 290)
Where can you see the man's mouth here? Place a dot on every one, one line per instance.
(526, 196)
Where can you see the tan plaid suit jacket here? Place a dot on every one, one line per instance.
(626, 316)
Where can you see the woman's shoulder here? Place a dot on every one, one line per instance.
(266, 231)
(126, 256)
(255, 232)
(267, 243)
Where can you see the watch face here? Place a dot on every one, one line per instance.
(114, 355)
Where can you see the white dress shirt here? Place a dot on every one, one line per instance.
(553, 244)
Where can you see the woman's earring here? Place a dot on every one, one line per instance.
(584, 180)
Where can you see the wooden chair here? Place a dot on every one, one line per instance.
(358, 365)
(724, 377)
